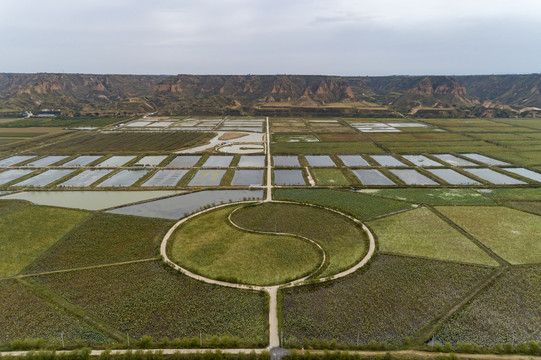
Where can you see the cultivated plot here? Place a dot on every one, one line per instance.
(13, 160)
(45, 178)
(353, 160)
(10, 175)
(372, 177)
(46, 161)
(116, 161)
(288, 177)
(248, 177)
(387, 160)
(453, 177)
(286, 161)
(494, 177)
(217, 161)
(153, 160)
(412, 177)
(207, 178)
(124, 178)
(86, 178)
(82, 160)
(420, 160)
(247, 161)
(485, 159)
(184, 161)
(454, 160)
(329, 177)
(166, 178)
(320, 160)
(529, 174)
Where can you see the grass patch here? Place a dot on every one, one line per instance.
(317, 148)
(391, 300)
(512, 194)
(509, 312)
(20, 134)
(343, 241)
(103, 239)
(512, 234)
(210, 246)
(420, 232)
(356, 204)
(127, 142)
(30, 231)
(151, 299)
(24, 315)
(332, 177)
(529, 206)
(341, 137)
(433, 196)
(9, 206)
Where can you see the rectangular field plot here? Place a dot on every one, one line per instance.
(413, 177)
(10, 175)
(494, 177)
(286, 161)
(82, 160)
(186, 161)
(153, 160)
(454, 160)
(529, 174)
(452, 177)
(248, 177)
(116, 161)
(484, 159)
(217, 161)
(288, 177)
(179, 206)
(295, 138)
(46, 161)
(387, 160)
(320, 160)
(166, 178)
(161, 124)
(138, 124)
(12, 160)
(86, 178)
(372, 177)
(124, 178)
(353, 160)
(45, 178)
(207, 178)
(420, 160)
(329, 177)
(247, 161)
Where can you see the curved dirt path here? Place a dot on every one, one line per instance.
(272, 291)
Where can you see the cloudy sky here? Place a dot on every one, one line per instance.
(341, 37)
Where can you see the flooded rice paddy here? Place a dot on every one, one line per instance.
(45, 178)
(320, 160)
(247, 161)
(124, 178)
(86, 178)
(10, 175)
(288, 177)
(494, 177)
(17, 159)
(353, 160)
(248, 177)
(286, 161)
(412, 177)
(166, 178)
(453, 177)
(207, 178)
(372, 177)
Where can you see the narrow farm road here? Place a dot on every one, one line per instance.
(269, 167)
(274, 336)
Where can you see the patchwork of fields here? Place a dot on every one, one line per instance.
(454, 207)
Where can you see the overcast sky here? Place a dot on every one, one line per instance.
(342, 37)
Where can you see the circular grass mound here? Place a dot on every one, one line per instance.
(209, 245)
(344, 242)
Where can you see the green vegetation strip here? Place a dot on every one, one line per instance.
(102, 239)
(358, 205)
(420, 232)
(511, 308)
(152, 299)
(512, 234)
(389, 301)
(209, 245)
(343, 241)
(30, 231)
(25, 315)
